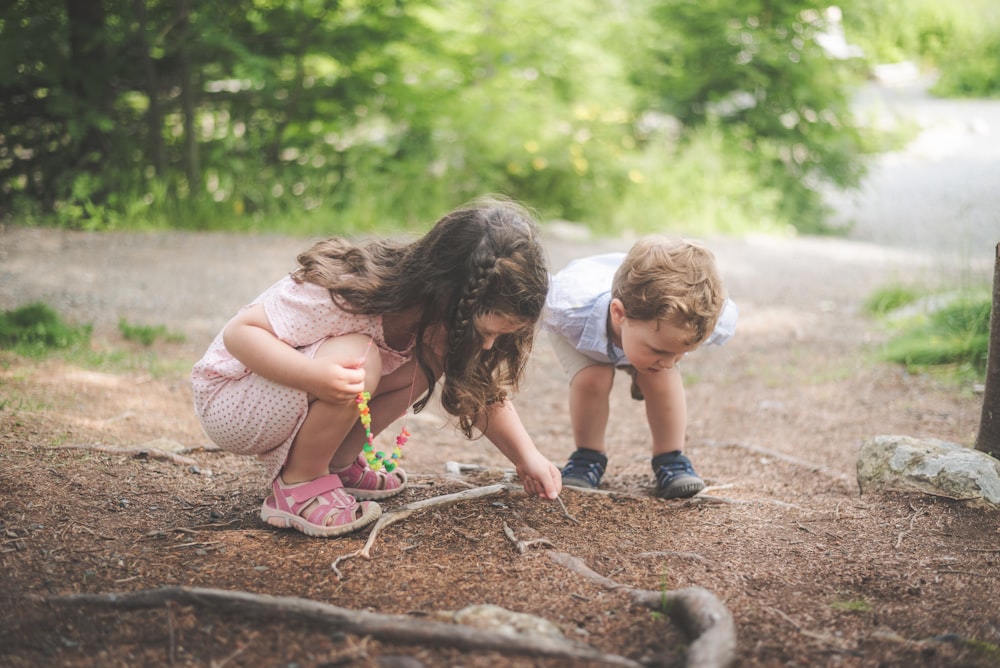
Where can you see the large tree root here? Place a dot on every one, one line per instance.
(396, 629)
(705, 620)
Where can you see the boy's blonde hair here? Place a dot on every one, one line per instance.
(671, 280)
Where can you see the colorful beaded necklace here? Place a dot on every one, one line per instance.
(377, 459)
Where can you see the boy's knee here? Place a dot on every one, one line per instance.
(594, 379)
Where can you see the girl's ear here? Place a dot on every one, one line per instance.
(617, 311)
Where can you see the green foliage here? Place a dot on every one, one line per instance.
(317, 117)
(983, 648)
(147, 334)
(36, 328)
(954, 335)
(972, 68)
(756, 73)
(960, 40)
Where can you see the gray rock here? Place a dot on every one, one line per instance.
(929, 466)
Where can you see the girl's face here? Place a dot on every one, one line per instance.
(650, 345)
(492, 325)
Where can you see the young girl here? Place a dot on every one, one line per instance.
(283, 380)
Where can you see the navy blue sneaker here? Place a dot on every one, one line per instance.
(585, 468)
(675, 477)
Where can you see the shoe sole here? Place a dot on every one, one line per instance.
(681, 489)
(284, 520)
(578, 482)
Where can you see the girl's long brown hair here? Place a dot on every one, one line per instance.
(485, 257)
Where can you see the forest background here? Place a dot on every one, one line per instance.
(326, 116)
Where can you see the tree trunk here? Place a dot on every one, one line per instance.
(154, 119)
(192, 161)
(988, 439)
(88, 76)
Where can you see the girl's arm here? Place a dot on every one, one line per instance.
(505, 430)
(250, 338)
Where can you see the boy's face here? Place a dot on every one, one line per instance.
(650, 345)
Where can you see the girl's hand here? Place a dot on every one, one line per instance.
(333, 383)
(540, 477)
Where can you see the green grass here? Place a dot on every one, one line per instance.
(946, 334)
(853, 605)
(147, 334)
(36, 331)
(888, 299)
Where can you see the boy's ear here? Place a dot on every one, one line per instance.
(617, 311)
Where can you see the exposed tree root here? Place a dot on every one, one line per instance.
(396, 629)
(698, 612)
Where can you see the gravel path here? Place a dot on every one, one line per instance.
(941, 194)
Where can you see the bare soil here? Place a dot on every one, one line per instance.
(813, 572)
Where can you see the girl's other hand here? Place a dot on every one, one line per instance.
(540, 477)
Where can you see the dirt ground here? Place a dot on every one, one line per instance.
(813, 573)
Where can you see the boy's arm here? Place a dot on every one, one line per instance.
(505, 430)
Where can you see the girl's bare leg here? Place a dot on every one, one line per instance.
(395, 394)
(327, 425)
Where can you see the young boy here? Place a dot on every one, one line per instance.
(642, 312)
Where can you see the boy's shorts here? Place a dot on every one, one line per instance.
(573, 361)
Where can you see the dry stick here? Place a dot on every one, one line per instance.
(913, 518)
(693, 556)
(135, 451)
(403, 512)
(840, 475)
(396, 629)
(697, 611)
(523, 546)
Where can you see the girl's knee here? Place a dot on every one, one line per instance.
(355, 351)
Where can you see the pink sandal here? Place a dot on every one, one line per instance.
(285, 506)
(364, 483)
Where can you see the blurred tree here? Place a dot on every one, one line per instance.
(754, 69)
(123, 109)
(98, 98)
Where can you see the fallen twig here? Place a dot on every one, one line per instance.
(403, 512)
(913, 518)
(693, 556)
(566, 511)
(812, 466)
(523, 546)
(134, 451)
(396, 629)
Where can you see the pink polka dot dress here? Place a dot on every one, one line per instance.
(248, 414)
